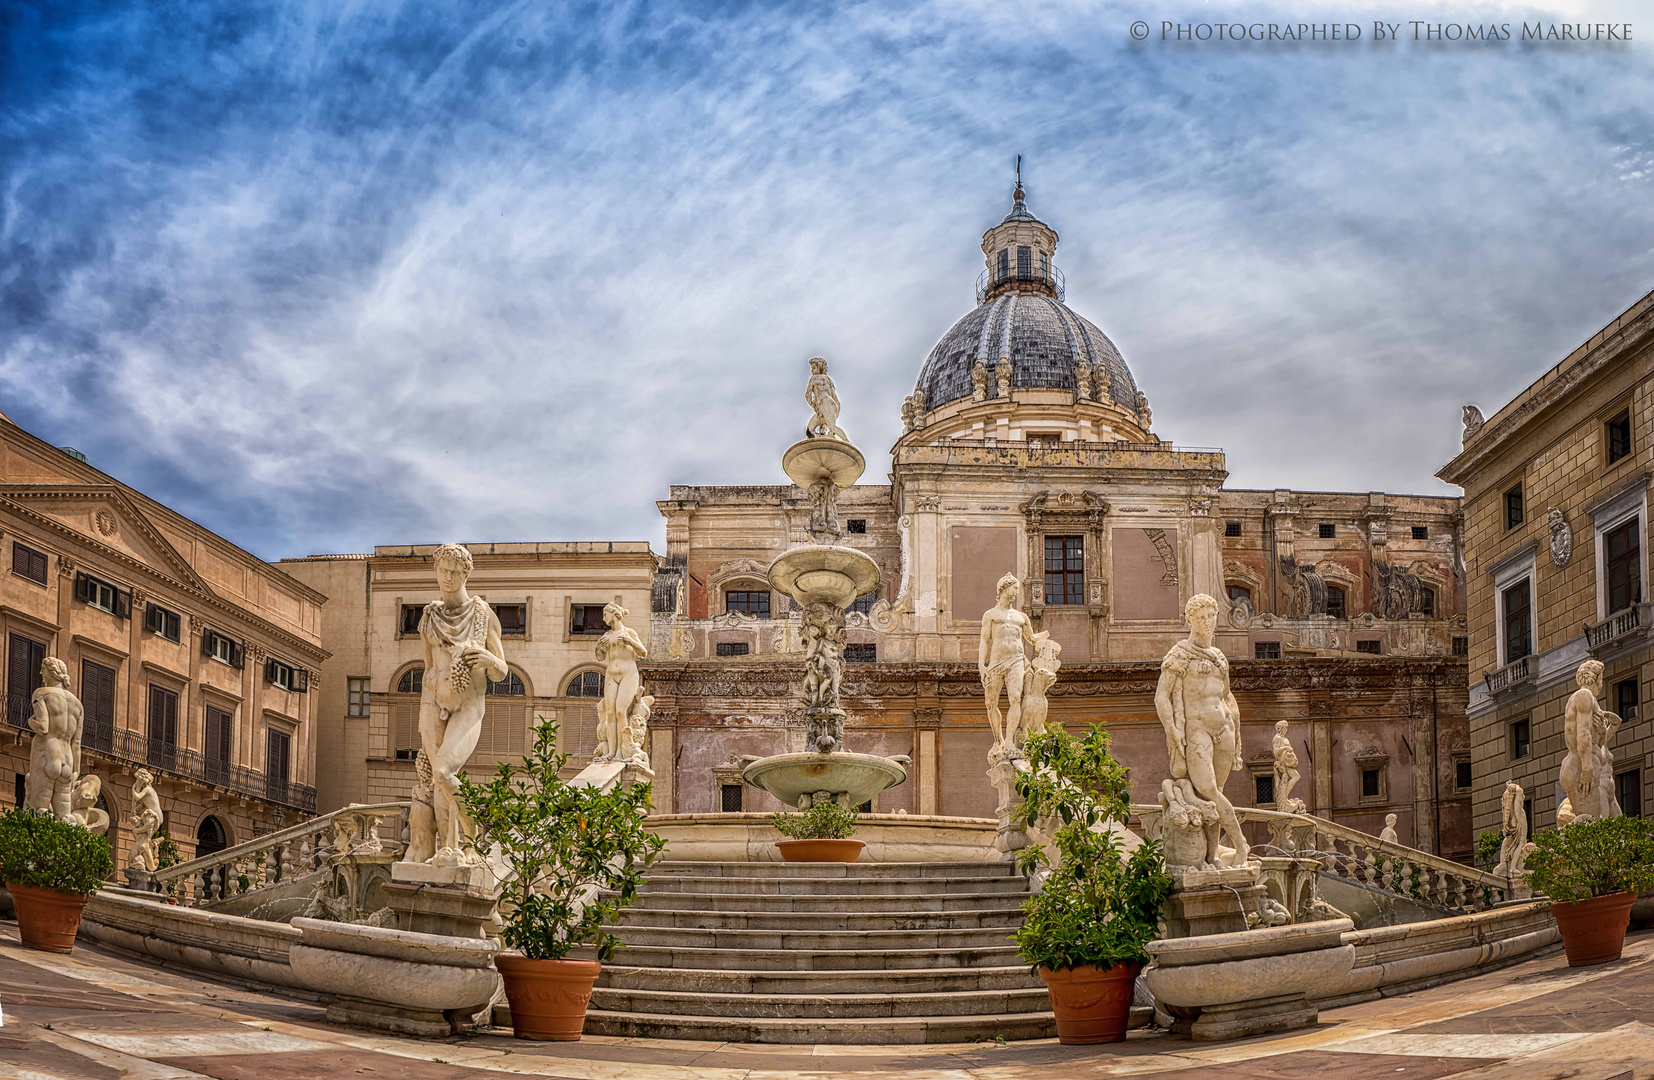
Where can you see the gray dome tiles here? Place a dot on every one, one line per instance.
(1043, 338)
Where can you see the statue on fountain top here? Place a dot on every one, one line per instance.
(619, 650)
(56, 718)
(1002, 664)
(820, 395)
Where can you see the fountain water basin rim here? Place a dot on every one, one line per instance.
(832, 574)
(795, 777)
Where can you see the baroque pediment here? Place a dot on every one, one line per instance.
(102, 516)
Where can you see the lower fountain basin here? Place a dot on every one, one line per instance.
(793, 778)
(816, 572)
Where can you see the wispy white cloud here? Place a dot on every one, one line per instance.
(326, 277)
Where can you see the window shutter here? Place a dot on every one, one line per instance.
(83, 588)
(238, 656)
(152, 618)
(301, 681)
(269, 671)
(207, 637)
(123, 603)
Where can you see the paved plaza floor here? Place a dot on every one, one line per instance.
(97, 1015)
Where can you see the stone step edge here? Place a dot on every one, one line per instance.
(855, 940)
(691, 952)
(1015, 912)
(860, 1030)
(830, 974)
(805, 868)
(911, 997)
(903, 897)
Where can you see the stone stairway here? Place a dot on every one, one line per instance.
(822, 953)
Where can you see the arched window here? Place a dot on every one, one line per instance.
(210, 837)
(1335, 602)
(412, 681)
(510, 686)
(585, 684)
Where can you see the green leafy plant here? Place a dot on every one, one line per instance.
(574, 856)
(1098, 905)
(41, 852)
(1593, 858)
(167, 854)
(823, 821)
(1488, 844)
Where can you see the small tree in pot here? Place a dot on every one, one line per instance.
(819, 834)
(573, 857)
(1085, 931)
(1592, 871)
(51, 869)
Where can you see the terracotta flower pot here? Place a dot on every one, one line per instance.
(1593, 931)
(548, 997)
(1092, 1005)
(820, 850)
(46, 918)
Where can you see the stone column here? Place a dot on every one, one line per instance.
(663, 757)
(65, 597)
(927, 760)
(135, 665)
(252, 705)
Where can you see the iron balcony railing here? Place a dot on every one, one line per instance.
(992, 277)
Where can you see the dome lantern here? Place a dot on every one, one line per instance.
(1019, 253)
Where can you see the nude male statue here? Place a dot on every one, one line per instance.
(1202, 722)
(822, 396)
(1588, 769)
(619, 650)
(54, 754)
(1002, 663)
(146, 818)
(461, 637)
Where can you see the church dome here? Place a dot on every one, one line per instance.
(1021, 321)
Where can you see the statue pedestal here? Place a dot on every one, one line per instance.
(452, 901)
(608, 775)
(1205, 902)
(141, 880)
(1003, 776)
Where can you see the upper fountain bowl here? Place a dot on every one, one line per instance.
(795, 778)
(810, 460)
(820, 572)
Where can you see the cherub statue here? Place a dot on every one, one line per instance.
(145, 847)
(1042, 673)
(1002, 376)
(820, 395)
(83, 804)
(636, 748)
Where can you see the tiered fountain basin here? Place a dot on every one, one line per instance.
(851, 778)
(821, 573)
(890, 838)
(825, 458)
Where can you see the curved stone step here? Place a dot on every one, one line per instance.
(810, 902)
(881, 1030)
(906, 871)
(785, 959)
(1007, 918)
(852, 887)
(821, 1006)
(697, 937)
(619, 975)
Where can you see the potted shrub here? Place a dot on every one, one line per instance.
(819, 834)
(1085, 930)
(572, 858)
(1592, 871)
(51, 869)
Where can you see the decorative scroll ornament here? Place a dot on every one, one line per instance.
(1562, 537)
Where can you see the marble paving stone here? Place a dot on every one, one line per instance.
(192, 1044)
(321, 1065)
(1464, 1046)
(1327, 1065)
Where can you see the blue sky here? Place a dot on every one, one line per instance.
(330, 275)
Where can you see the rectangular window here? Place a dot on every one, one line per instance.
(1065, 569)
(1461, 646)
(1618, 436)
(1369, 783)
(1368, 645)
(1461, 775)
(1626, 699)
(1266, 650)
(1263, 790)
(1519, 738)
(1518, 603)
(856, 525)
(1025, 263)
(356, 697)
(513, 619)
(26, 562)
(278, 674)
(748, 602)
(1427, 602)
(1004, 265)
(1628, 789)
(586, 619)
(163, 727)
(1513, 507)
(23, 659)
(100, 594)
(1335, 602)
(223, 649)
(729, 798)
(163, 623)
(1622, 556)
(97, 699)
(278, 758)
(733, 648)
(411, 614)
(1045, 440)
(220, 725)
(861, 654)
(1421, 532)
(1328, 530)
(1231, 528)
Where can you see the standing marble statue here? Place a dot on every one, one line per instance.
(1387, 835)
(1588, 769)
(461, 639)
(1513, 830)
(83, 807)
(1202, 722)
(146, 819)
(1286, 771)
(618, 650)
(822, 396)
(1042, 674)
(1002, 664)
(54, 754)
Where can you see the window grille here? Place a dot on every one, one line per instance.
(1421, 532)
(748, 602)
(733, 648)
(1266, 650)
(1231, 528)
(861, 654)
(412, 681)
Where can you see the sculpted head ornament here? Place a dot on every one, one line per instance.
(1008, 582)
(1198, 603)
(1589, 673)
(455, 554)
(55, 671)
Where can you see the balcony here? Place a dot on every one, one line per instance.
(1618, 630)
(1049, 278)
(1509, 677)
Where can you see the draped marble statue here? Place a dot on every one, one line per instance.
(619, 650)
(1513, 832)
(461, 639)
(1201, 719)
(56, 718)
(1286, 771)
(1588, 769)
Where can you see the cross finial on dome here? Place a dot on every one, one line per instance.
(1017, 196)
